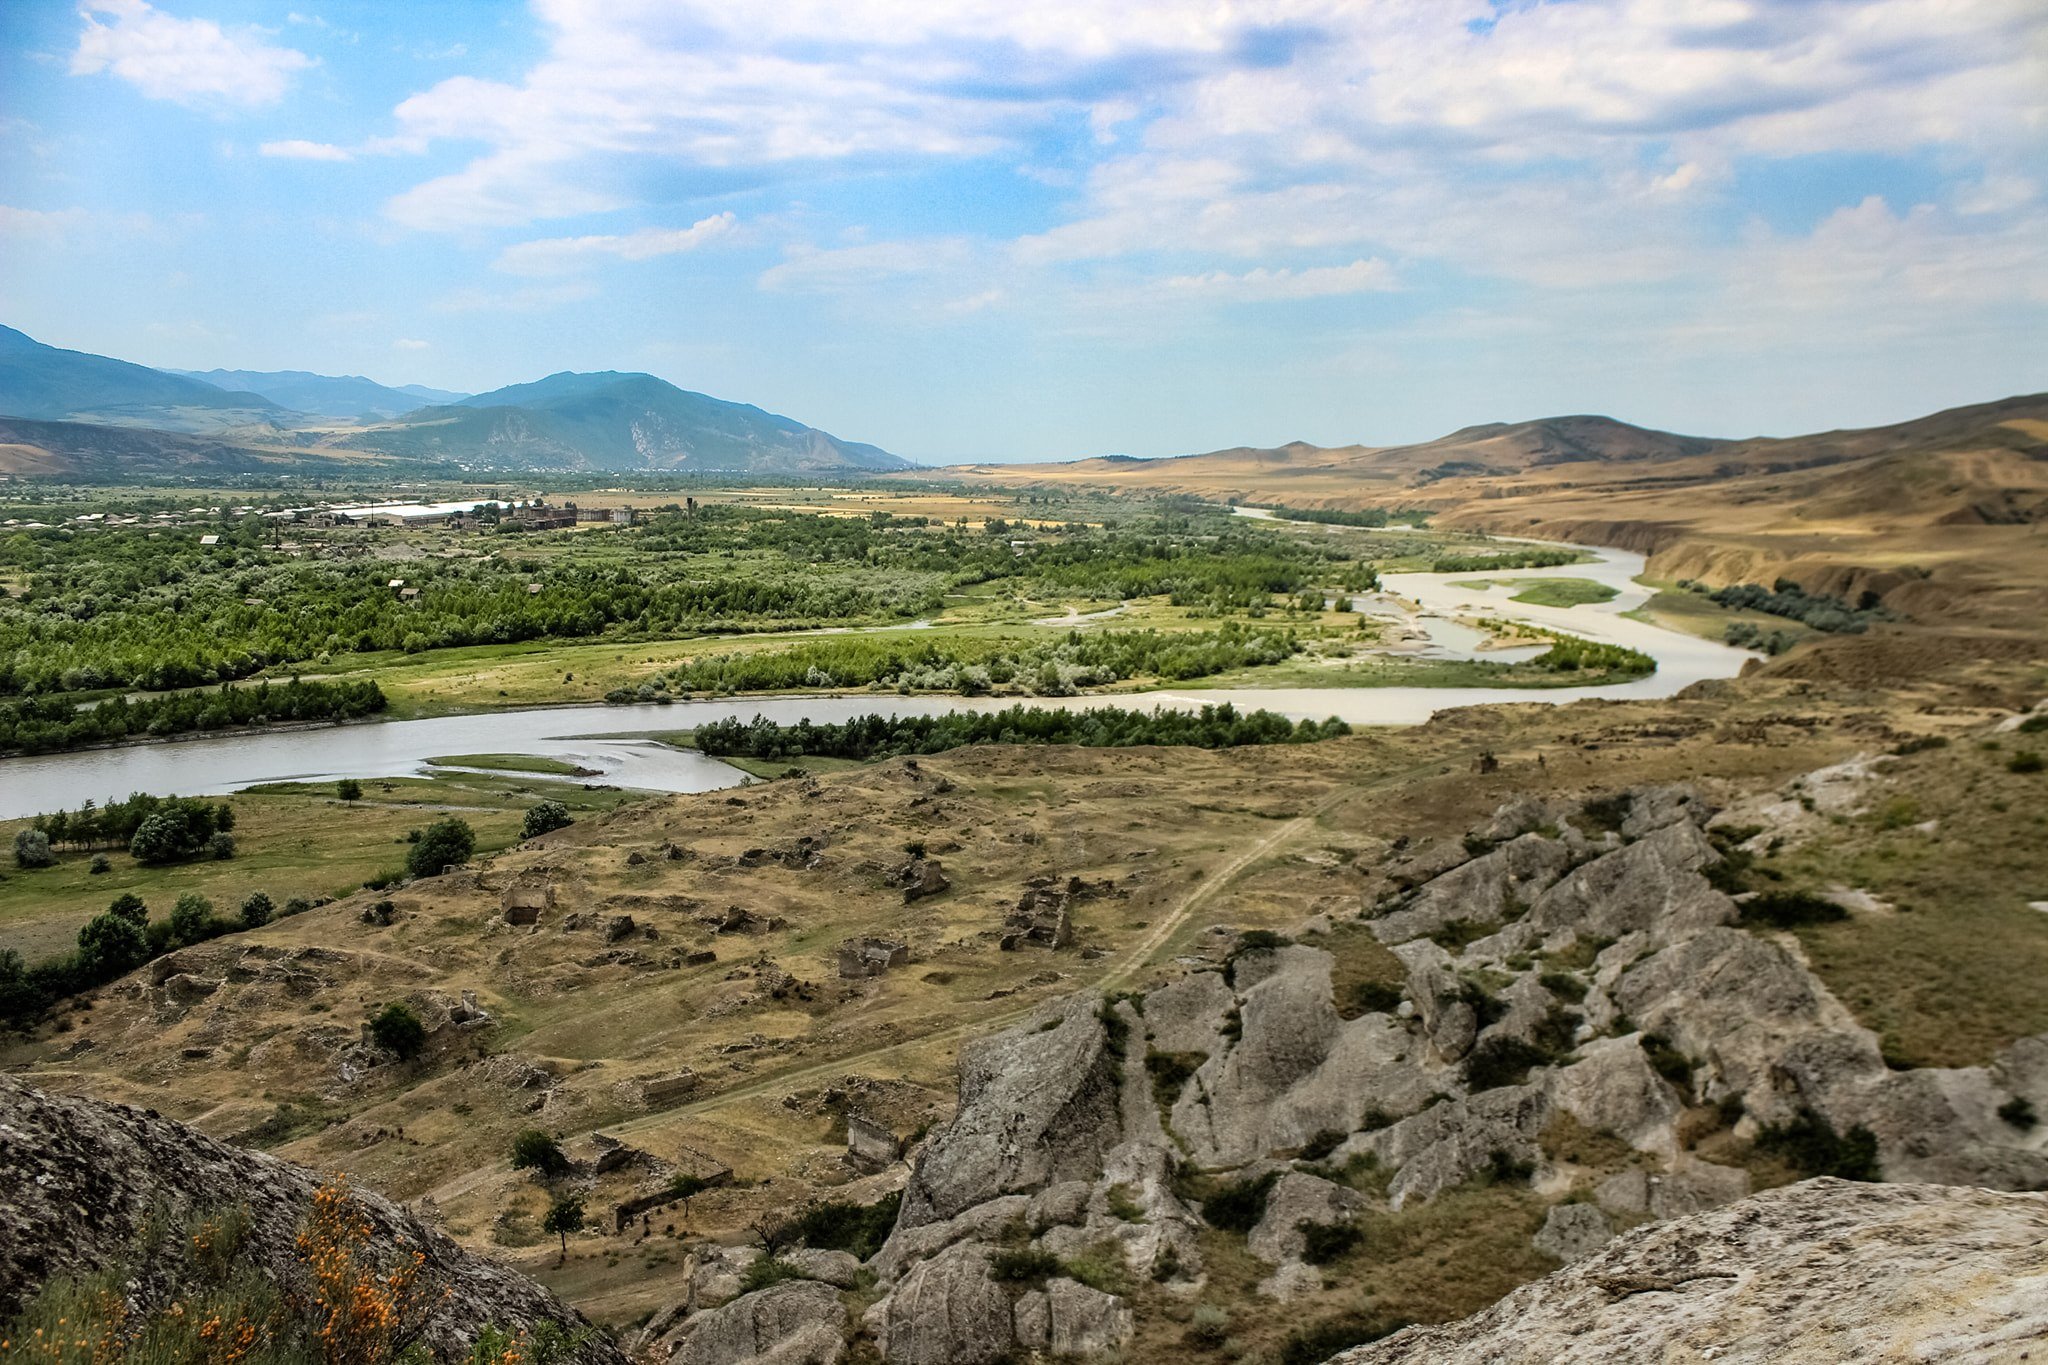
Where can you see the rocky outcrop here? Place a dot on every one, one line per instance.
(797, 1322)
(83, 1180)
(1821, 1271)
(948, 1310)
(1038, 1104)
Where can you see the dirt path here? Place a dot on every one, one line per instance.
(1125, 965)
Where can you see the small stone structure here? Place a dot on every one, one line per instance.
(523, 904)
(657, 1091)
(738, 920)
(861, 957)
(920, 877)
(871, 1145)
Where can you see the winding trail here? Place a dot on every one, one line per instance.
(1124, 966)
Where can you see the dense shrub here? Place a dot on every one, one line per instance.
(1239, 1205)
(1814, 610)
(1810, 1144)
(545, 818)
(178, 829)
(836, 1225)
(32, 849)
(534, 1150)
(446, 843)
(1323, 1243)
(1790, 909)
(257, 910)
(399, 1031)
(1317, 1342)
(1024, 1265)
(42, 724)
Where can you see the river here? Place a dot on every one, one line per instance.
(603, 738)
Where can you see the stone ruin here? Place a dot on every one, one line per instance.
(868, 956)
(806, 854)
(1042, 917)
(523, 904)
(739, 920)
(920, 877)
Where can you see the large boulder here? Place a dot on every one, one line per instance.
(1653, 885)
(1039, 1103)
(1491, 887)
(83, 1182)
(1449, 1143)
(1738, 1004)
(946, 1311)
(1572, 1232)
(798, 1322)
(1297, 1069)
(1820, 1271)
(1298, 1198)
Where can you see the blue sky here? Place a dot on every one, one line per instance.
(974, 229)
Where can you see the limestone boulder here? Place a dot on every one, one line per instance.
(797, 1322)
(1817, 1272)
(1085, 1322)
(1297, 1069)
(1449, 1143)
(84, 1182)
(1298, 1198)
(1491, 887)
(1039, 1104)
(1612, 1088)
(946, 1311)
(1653, 885)
(1572, 1232)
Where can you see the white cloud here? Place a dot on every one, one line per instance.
(532, 298)
(40, 222)
(408, 344)
(835, 270)
(555, 255)
(186, 61)
(1261, 284)
(298, 149)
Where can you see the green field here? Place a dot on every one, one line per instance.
(292, 839)
(1549, 592)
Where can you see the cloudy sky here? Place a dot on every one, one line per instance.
(992, 229)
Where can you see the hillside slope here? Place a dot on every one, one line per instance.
(611, 420)
(90, 1187)
(324, 395)
(53, 384)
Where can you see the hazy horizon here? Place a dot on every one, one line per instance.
(974, 232)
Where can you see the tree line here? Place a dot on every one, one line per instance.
(1058, 666)
(880, 736)
(43, 724)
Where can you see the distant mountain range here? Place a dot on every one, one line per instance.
(44, 382)
(90, 415)
(618, 421)
(325, 395)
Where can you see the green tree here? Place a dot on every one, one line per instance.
(257, 911)
(442, 844)
(564, 1216)
(534, 1150)
(32, 849)
(398, 1030)
(110, 946)
(129, 906)
(191, 920)
(348, 789)
(545, 818)
(159, 839)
